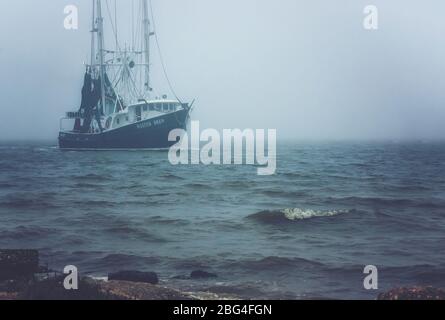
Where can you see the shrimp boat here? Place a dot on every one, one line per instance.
(118, 108)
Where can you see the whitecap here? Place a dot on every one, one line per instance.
(302, 214)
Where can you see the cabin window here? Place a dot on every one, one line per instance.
(165, 107)
(152, 107)
(117, 120)
(145, 107)
(172, 107)
(158, 106)
(126, 118)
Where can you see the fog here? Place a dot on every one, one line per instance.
(306, 68)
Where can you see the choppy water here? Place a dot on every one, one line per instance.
(306, 232)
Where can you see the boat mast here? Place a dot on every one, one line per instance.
(100, 40)
(93, 31)
(147, 34)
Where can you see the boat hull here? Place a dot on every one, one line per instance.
(146, 134)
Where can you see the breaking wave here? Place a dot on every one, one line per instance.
(294, 214)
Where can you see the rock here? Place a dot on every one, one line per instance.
(14, 285)
(91, 289)
(416, 293)
(53, 289)
(124, 290)
(199, 274)
(18, 263)
(9, 296)
(135, 276)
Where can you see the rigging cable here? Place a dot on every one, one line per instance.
(160, 53)
(115, 21)
(113, 28)
(132, 24)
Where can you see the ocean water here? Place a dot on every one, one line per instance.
(306, 232)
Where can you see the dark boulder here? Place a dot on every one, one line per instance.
(18, 264)
(199, 274)
(53, 289)
(135, 276)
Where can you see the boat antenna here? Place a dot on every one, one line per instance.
(160, 53)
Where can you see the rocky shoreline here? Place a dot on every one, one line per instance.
(22, 278)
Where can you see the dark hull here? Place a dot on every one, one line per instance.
(146, 134)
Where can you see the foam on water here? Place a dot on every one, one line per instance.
(293, 214)
(302, 214)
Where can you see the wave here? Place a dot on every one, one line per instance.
(199, 186)
(26, 233)
(285, 194)
(96, 203)
(47, 149)
(273, 263)
(167, 221)
(237, 184)
(170, 176)
(17, 201)
(5, 185)
(294, 214)
(419, 274)
(119, 258)
(93, 177)
(8, 167)
(195, 263)
(134, 232)
(86, 185)
(118, 261)
(390, 202)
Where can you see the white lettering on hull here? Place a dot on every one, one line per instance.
(149, 124)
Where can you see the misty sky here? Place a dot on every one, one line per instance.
(307, 68)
